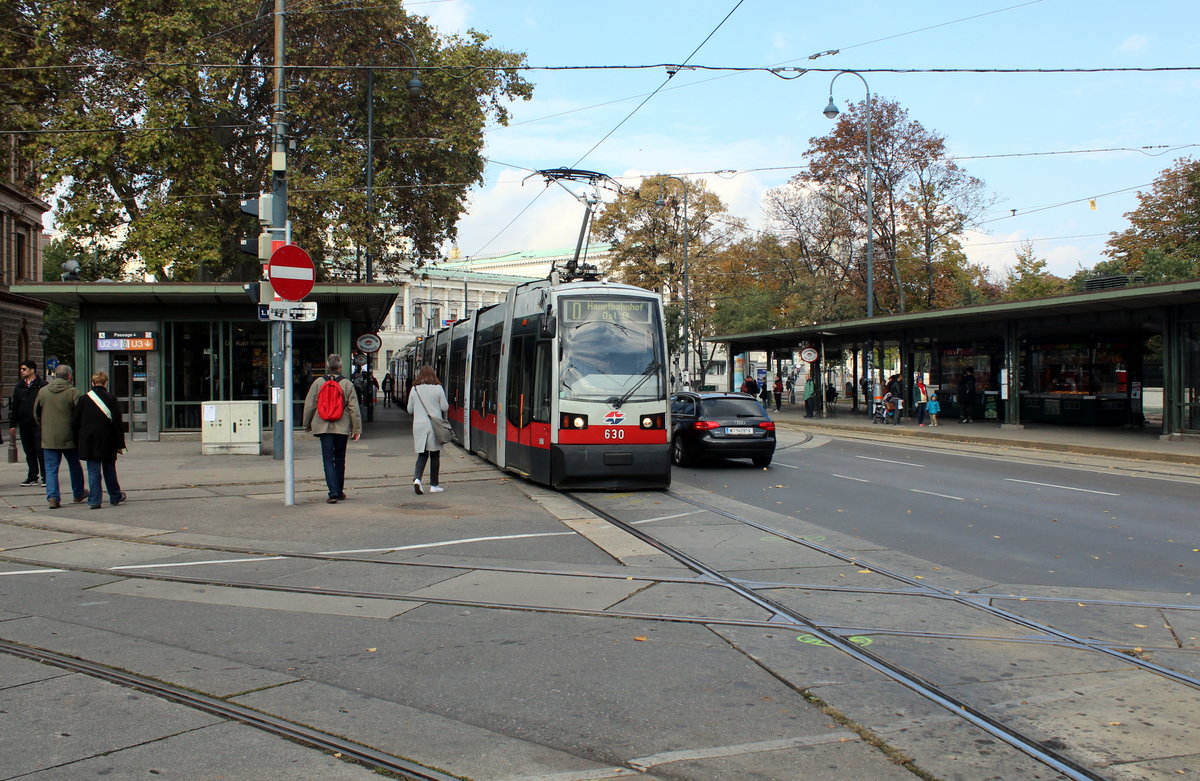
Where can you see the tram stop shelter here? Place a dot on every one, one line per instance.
(168, 347)
(1090, 358)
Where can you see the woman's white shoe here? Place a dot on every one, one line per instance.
(417, 486)
(436, 489)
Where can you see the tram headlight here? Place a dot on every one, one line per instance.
(573, 421)
(653, 421)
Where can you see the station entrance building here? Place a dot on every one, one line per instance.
(170, 347)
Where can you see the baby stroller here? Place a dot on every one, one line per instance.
(886, 410)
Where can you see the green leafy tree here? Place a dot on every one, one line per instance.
(1164, 229)
(153, 123)
(646, 230)
(1029, 278)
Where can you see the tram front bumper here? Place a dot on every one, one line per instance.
(610, 466)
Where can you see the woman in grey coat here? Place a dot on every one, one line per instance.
(426, 398)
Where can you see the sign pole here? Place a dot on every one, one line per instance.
(289, 437)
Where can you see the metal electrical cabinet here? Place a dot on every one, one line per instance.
(231, 427)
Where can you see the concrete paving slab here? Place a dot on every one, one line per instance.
(1118, 624)
(534, 590)
(839, 757)
(1106, 719)
(618, 543)
(98, 553)
(835, 574)
(54, 722)
(66, 523)
(245, 754)
(14, 538)
(1186, 662)
(422, 736)
(910, 613)
(17, 671)
(678, 599)
(737, 547)
(395, 579)
(259, 600)
(669, 568)
(952, 662)
(218, 676)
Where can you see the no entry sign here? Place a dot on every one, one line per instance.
(291, 272)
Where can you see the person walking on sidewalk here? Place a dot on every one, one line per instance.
(101, 436)
(335, 419)
(54, 411)
(778, 391)
(426, 399)
(750, 386)
(20, 418)
(387, 387)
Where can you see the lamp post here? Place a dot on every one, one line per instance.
(831, 111)
(687, 310)
(414, 89)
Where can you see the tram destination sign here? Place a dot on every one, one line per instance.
(125, 341)
(586, 310)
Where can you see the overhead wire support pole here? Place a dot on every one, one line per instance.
(281, 332)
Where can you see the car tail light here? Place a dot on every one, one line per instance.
(769, 425)
(705, 425)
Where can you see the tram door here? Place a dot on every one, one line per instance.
(129, 383)
(528, 407)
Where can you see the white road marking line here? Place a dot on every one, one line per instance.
(789, 466)
(323, 553)
(1064, 487)
(197, 563)
(890, 461)
(931, 493)
(669, 517)
(684, 755)
(856, 479)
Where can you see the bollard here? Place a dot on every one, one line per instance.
(12, 450)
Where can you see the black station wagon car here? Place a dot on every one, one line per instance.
(720, 425)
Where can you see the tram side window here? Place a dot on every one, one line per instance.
(486, 368)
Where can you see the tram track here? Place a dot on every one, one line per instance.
(1030, 745)
(778, 616)
(323, 741)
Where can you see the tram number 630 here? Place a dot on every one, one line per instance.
(614, 433)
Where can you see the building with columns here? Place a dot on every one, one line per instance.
(21, 242)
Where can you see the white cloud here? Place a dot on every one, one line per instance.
(1134, 44)
(447, 17)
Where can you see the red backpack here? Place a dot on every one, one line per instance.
(331, 402)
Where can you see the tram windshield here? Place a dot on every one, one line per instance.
(610, 349)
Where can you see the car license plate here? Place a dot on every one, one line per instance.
(739, 432)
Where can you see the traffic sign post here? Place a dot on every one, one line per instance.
(291, 272)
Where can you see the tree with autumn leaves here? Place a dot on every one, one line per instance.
(1162, 242)
(149, 123)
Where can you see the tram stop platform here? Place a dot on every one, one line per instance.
(499, 694)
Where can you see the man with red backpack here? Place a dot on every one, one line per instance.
(331, 413)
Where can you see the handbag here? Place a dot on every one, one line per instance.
(442, 431)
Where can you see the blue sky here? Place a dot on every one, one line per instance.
(757, 126)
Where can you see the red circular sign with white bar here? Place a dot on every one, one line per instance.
(291, 273)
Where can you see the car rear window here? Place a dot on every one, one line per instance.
(731, 408)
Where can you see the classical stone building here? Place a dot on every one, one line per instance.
(21, 241)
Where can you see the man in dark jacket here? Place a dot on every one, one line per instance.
(20, 418)
(966, 395)
(54, 410)
(100, 436)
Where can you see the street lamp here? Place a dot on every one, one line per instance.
(831, 112)
(687, 239)
(414, 89)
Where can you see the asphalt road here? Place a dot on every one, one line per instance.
(995, 514)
